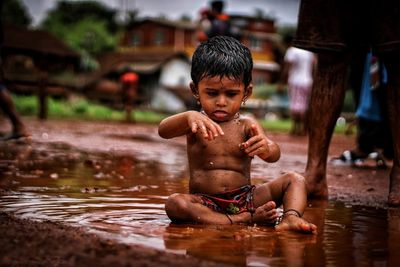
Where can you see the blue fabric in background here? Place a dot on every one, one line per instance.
(369, 107)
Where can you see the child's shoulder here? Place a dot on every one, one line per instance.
(247, 119)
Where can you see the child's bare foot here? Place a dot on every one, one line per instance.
(293, 223)
(266, 214)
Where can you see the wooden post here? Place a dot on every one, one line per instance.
(42, 94)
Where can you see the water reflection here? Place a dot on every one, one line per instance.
(121, 196)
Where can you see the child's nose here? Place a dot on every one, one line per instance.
(221, 101)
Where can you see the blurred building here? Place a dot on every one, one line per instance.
(37, 62)
(160, 50)
(26, 53)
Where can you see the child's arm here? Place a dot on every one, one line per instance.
(189, 122)
(260, 145)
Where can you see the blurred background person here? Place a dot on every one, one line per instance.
(214, 21)
(6, 103)
(129, 86)
(373, 132)
(297, 73)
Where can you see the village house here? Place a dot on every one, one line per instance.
(160, 50)
(34, 62)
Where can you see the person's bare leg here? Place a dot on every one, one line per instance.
(393, 67)
(128, 113)
(325, 106)
(7, 105)
(186, 208)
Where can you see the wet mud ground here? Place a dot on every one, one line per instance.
(24, 241)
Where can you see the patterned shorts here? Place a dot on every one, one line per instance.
(231, 202)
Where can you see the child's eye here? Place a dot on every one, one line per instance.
(210, 93)
(232, 94)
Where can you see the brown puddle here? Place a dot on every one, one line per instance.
(121, 195)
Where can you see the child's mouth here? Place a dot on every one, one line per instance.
(220, 114)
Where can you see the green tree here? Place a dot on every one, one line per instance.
(185, 18)
(13, 12)
(70, 12)
(87, 26)
(90, 35)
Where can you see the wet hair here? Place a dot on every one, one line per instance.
(222, 56)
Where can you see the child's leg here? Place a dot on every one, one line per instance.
(189, 208)
(289, 190)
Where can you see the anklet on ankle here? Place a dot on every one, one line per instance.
(287, 213)
(296, 212)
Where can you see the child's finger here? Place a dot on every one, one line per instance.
(254, 130)
(254, 133)
(194, 127)
(203, 130)
(219, 129)
(255, 150)
(213, 130)
(253, 140)
(211, 136)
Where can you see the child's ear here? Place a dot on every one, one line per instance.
(247, 92)
(194, 90)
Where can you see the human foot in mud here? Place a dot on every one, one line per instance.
(293, 222)
(394, 191)
(266, 214)
(15, 135)
(317, 187)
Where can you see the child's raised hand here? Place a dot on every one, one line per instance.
(257, 144)
(208, 128)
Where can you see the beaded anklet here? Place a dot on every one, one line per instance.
(287, 213)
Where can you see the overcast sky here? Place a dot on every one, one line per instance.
(284, 11)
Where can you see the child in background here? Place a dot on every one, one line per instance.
(221, 144)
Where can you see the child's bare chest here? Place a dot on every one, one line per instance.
(227, 145)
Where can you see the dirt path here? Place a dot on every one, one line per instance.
(29, 243)
(25, 242)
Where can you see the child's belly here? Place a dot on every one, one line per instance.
(216, 181)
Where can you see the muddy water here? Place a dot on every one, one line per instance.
(121, 195)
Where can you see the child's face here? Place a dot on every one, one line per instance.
(220, 98)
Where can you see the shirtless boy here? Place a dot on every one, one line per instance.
(221, 144)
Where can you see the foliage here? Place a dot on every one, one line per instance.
(185, 18)
(89, 35)
(87, 26)
(281, 125)
(264, 91)
(70, 12)
(287, 33)
(14, 12)
(80, 108)
(349, 104)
